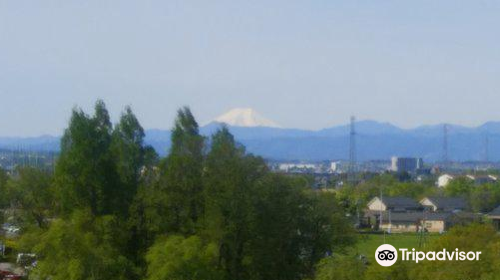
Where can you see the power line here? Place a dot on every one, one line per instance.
(352, 153)
(486, 156)
(445, 144)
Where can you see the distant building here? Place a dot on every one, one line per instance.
(298, 167)
(483, 179)
(403, 164)
(335, 167)
(444, 180)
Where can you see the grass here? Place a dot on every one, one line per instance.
(368, 243)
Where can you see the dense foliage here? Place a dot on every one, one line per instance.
(208, 210)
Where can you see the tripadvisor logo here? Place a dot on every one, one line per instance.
(387, 255)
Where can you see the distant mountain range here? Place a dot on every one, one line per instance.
(374, 140)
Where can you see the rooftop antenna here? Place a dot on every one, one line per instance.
(352, 153)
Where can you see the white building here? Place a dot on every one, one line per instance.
(401, 164)
(297, 167)
(444, 180)
(335, 167)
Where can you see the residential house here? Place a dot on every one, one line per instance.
(380, 208)
(393, 204)
(483, 179)
(403, 214)
(445, 179)
(444, 204)
(495, 217)
(398, 222)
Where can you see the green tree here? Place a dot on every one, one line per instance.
(4, 200)
(181, 175)
(31, 192)
(459, 187)
(81, 248)
(411, 189)
(325, 227)
(86, 174)
(148, 214)
(168, 197)
(354, 198)
(399, 271)
(340, 267)
(475, 237)
(228, 184)
(128, 148)
(485, 198)
(293, 229)
(179, 258)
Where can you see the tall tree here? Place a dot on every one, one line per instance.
(229, 177)
(293, 227)
(86, 175)
(3, 188)
(128, 148)
(181, 175)
(277, 241)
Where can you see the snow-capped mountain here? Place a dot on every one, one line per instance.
(245, 117)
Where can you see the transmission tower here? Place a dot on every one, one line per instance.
(445, 144)
(486, 156)
(422, 237)
(351, 176)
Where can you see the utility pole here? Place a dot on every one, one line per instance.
(422, 237)
(381, 213)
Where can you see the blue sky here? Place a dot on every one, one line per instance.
(304, 64)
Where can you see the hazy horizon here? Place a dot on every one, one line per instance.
(203, 124)
(307, 65)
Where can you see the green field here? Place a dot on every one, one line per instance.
(368, 243)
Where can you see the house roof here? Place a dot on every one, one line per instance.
(448, 202)
(402, 217)
(433, 216)
(413, 217)
(495, 212)
(490, 178)
(467, 216)
(400, 202)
